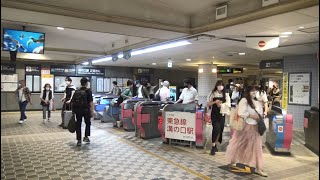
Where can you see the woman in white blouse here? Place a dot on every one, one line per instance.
(218, 101)
(245, 146)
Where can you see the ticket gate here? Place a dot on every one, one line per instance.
(279, 136)
(194, 128)
(103, 106)
(311, 129)
(127, 115)
(146, 118)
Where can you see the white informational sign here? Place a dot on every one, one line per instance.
(262, 43)
(300, 88)
(8, 87)
(9, 78)
(180, 126)
(46, 78)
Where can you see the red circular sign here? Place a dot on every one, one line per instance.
(261, 43)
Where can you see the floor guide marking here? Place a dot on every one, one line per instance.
(168, 161)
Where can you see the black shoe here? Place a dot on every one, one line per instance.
(213, 150)
(79, 143)
(216, 149)
(86, 139)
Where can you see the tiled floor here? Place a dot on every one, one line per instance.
(37, 151)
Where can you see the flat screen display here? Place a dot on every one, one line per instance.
(23, 41)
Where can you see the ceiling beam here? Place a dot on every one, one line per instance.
(264, 12)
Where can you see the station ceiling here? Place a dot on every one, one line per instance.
(95, 28)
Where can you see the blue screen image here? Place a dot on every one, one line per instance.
(23, 41)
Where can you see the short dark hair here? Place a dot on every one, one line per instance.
(187, 81)
(46, 85)
(230, 80)
(114, 82)
(68, 79)
(84, 81)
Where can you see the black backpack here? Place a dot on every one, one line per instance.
(79, 101)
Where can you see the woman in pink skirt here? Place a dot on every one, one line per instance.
(245, 146)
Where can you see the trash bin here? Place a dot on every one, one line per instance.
(311, 129)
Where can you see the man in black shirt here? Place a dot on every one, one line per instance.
(68, 94)
(82, 106)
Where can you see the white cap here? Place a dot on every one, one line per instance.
(166, 83)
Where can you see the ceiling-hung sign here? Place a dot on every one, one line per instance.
(94, 71)
(271, 64)
(33, 69)
(262, 42)
(63, 70)
(228, 70)
(143, 71)
(8, 68)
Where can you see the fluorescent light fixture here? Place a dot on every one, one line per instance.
(286, 33)
(283, 36)
(188, 59)
(60, 28)
(242, 53)
(147, 50)
(160, 47)
(85, 63)
(214, 70)
(301, 27)
(200, 70)
(154, 64)
(107, 58)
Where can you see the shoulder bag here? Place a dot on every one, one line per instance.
(237, 122)
(261, 126)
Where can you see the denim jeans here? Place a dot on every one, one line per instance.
(22, 107)
(45, 108)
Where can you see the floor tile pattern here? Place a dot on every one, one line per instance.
(44, 151)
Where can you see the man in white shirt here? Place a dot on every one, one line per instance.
(142, 92)
(165, 91)
(189, 93)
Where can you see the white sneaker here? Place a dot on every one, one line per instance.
(44, 121)
(21, 122)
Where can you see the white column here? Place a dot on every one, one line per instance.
(207, 78)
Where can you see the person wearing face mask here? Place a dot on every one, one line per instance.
(142, 91)
(189, 93)
(245, 146)
(217, 98)
(68, 94)
(23, 95)
(46, 98)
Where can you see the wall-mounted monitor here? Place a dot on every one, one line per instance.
(23, 41)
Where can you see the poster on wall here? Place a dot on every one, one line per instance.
(180, 126)
(284, 100)
(47, 78)
(300, 89)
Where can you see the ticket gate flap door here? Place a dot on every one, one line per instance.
(199, 128)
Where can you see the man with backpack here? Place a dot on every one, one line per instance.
(82, 107)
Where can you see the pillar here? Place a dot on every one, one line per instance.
(207, 78)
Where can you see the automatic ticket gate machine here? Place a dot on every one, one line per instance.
(279, 136)
(146, 118)
(311, 129)
(127, 115)
(110, 112)
(103, 106)
(196, 121)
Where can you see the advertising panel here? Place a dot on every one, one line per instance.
(180, 126)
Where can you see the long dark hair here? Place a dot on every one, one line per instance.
(220, 83)
(248, 97)
(134, 87)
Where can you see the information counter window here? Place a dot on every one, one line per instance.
(60, 84)
(33, 82)
(105, 84)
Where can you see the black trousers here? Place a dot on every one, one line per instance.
(217, 129)
(86, 116)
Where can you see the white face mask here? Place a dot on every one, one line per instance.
(47, 88)
(220, 88)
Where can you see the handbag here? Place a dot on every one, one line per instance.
(72, 124)
(261, 126)
(237, 122)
